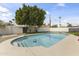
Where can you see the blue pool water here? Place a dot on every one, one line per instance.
(43, 39)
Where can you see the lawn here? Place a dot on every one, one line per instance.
(74, 33)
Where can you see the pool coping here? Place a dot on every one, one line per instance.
(32, 50)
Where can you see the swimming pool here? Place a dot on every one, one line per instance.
(42, 39)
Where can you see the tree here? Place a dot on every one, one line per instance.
(54, 25)
(30, 15)
(13, 19)
(69, 25)
(2, 24)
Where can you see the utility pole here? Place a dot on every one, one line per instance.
(50, 20)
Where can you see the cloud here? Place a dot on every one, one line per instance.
(61, 4)
(72, 20)
(3, 10)
(47, 12)
(5, 14)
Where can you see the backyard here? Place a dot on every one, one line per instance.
(39, 30)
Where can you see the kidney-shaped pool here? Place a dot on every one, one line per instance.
(42, 39)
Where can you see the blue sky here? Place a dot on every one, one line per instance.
(68, 12)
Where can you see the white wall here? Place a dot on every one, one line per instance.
(18, 30)
(43, 29)
(59, 29)
(14, 29)
(74, 29)
(2, 31)
(54, 29)
(11, 30)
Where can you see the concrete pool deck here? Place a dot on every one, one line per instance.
(69, 46)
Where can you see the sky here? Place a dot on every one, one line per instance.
(69, 12)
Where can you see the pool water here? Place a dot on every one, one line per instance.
(43, 39)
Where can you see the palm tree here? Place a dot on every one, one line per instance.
(13, 19)
(10, 22)
(59, 21)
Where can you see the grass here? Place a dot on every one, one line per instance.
(74, 33)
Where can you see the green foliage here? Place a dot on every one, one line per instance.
(2, 24)
(75, 33)
(54, 25)
(69, 25)
(30, 15)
